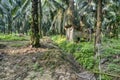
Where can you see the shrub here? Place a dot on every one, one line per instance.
(83, 52)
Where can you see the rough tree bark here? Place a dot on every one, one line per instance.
(34, 26)
(40, 19)
(98, 26)
(97, 42)
(69, 19)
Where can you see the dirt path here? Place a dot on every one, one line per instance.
(18, 62)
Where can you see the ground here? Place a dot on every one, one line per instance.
(19, 61)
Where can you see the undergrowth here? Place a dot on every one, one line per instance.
(84, 54)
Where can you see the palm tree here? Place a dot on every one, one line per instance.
(97, 42)
(70, 14)
(34, 26)
(98, 26)
(53, 16)
(111, 18)
(12, 12)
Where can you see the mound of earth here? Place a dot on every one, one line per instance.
(45, 63)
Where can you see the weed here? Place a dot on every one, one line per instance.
(83, 52)
(105, 77)
(41, 70)
(114, 68)
(38, 68)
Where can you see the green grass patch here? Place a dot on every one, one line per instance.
(105, 77)
(83, 52)
(114, 68)
(12, 37)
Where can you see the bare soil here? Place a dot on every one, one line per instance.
(18, 61)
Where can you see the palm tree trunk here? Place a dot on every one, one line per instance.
(34, 27)
(71, 9)
(40, 19)
(97, 42)
(69, 20)
(98, 25)
(9, 27)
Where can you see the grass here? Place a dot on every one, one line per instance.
(12, 37)
(84, 53)
(38, 68)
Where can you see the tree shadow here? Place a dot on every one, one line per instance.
(2, 46)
